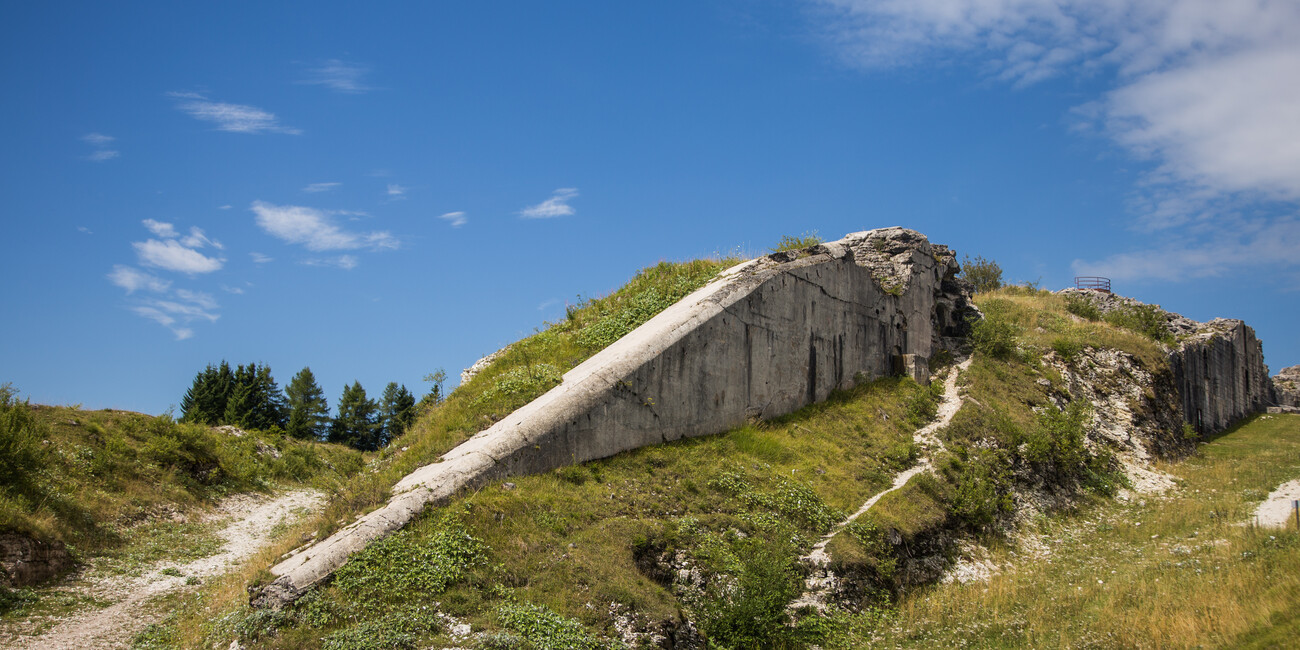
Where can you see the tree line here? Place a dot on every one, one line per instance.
(249, 398)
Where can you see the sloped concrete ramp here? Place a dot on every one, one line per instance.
(764, 338)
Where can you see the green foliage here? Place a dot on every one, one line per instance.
(406, 565)
(519, 386)
(403, 629)
(792, 243)
(792, 500)
(396, 411)
(995, 334)
(546, 630)
(1082, 307)
(21, 452)
(985, 274)
(357, 423)
(650, 292)
(1149, 320)
(1066, 347)
(247, 397)
(981, 481)
(748, 610)
(15, 599)
(309, 413)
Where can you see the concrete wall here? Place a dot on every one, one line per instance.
(765, 338)
(1221, 375)
(1286, 385)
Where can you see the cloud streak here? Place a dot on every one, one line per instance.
(339, 76)
(455, 219)
(315, 231)
(556, 206)
(101, 142)
(233, 118)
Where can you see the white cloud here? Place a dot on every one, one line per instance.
(171, 255)
(456, 219)
(133, 279)
(1247, 244)
(197, 239)
(98, 139)
(345, 262)
(160, 229)
(313, 229)
(101, 143)
(259, 258)
(339, 76)
(1202, 89)
(225, 207)
(320, 187)
(180, 309)
(396, 190)
(235, 290)
(83, 229)
(235, 118)
(556, 206)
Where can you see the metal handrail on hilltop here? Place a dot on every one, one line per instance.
(1092, 282)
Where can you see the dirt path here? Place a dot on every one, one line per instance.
(251, 518)
(1276, 510)
(820, 581)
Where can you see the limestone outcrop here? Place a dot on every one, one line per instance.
(1286, 383)
(1221, 375)
(764, 338)
(26, 561)
(1218, 366)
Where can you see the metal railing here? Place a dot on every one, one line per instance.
(1092, 282)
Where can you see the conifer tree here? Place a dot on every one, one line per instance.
(396, 411)
(309, 413)
(205, 402)
(356, 424)
(255, 401)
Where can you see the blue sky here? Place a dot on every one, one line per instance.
(378, 192)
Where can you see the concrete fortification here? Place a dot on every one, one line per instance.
(764, 338)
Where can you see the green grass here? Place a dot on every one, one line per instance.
(1173, 571)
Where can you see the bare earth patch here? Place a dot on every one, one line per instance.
(1275, 511)
(252, 519)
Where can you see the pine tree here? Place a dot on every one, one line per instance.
(205, 401)
(309, 413)
(396, 411)
(356, 424)
(255, 400)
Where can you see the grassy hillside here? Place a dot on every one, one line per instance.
(85, 477)
(707, 529)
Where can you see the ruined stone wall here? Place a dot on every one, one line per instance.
(1221, 375)
(765, 338)
(1286, 384)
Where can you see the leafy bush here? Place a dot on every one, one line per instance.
(1148, 320)
(403, 629)
(982, 483)
(792, 500)
(545, 629)
(1066, 347)
(1082, 307)
(994, 335)
(21, 452)
(791, 243)
(985, 274)
(748, 611)
(403, 565)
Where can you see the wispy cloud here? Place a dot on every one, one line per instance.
(1247, 244)
(320, 187)
(395, 190)
(101, 143)
(1192, 87)
(97, 139)
(314, 230)
(339, 76)
(133, 279)
(179, 310)
(456, 219)
(83, 229)
(169, 254)
(235, 118)
(160, 229)
(556, 206)
(259, 258)
(345, 262)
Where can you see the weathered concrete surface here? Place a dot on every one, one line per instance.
(763, 339)
(1286, 383)
(1221, 375)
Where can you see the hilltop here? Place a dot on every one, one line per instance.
(1002, 454)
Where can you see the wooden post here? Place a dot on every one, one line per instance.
(1295, 506)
